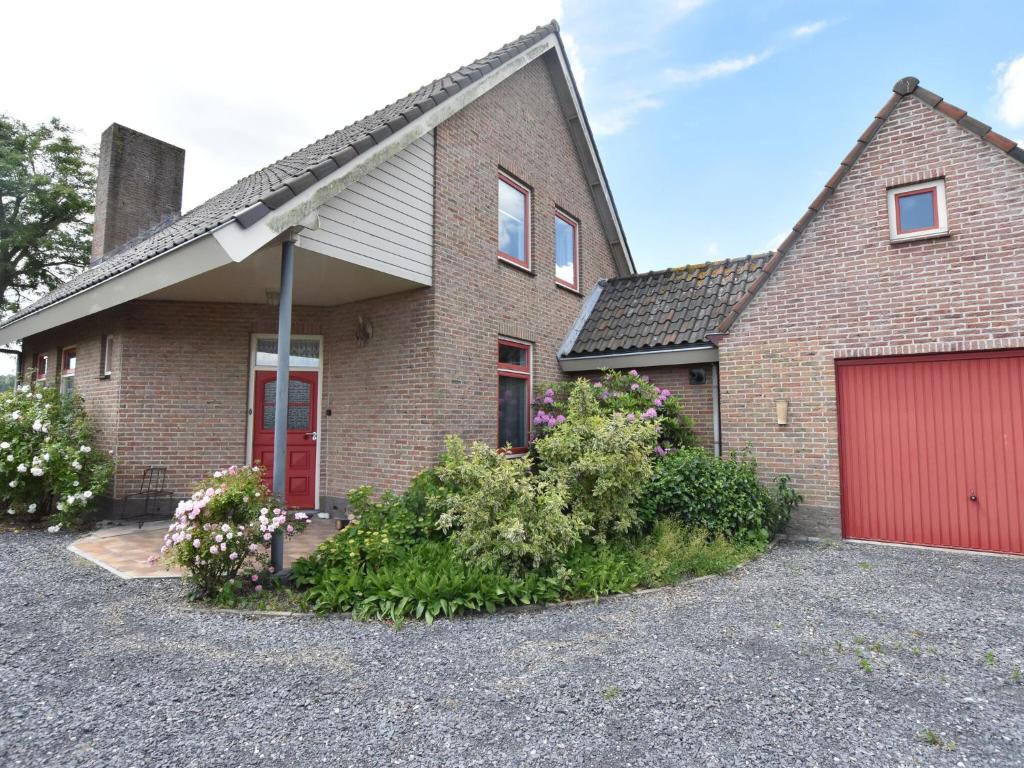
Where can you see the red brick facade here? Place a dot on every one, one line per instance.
(697, 399)
(844, 290)
(179, 393)
(518, 127)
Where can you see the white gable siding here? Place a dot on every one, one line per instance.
(385, 220)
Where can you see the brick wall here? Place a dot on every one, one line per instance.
(845, 291)
(179, 394)
(697, 398)
(518, 127)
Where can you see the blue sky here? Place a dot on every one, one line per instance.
(718, 122)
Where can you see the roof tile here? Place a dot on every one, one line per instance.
(673, 307)
(242, 201)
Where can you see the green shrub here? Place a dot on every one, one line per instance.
(500, 516)
(224, 530)
(430, 579)
(621, 392)
(48, 467)
(721, 496)
(658, 558)
(601, 461)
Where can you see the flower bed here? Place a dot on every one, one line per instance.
(585, 514)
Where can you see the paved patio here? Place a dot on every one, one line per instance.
(125, 550)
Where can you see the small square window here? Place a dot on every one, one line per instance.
(566, 251)
(917, 210)
(513, 222)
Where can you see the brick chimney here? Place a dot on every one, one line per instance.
(138, 186)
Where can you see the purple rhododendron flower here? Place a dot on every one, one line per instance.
(634, 387)
(549, 400)
(634, 372)
(666, 393)
(659, 450)
(630, 417)
(560, 419)
(549, 393)
(650, 413)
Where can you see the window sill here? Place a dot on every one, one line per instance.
(516, 265)
(918, 237)
(104, 376)
(569, 289)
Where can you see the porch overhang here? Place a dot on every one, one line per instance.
(204, 270)
(647, 358)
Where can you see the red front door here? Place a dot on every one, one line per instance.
(300, 478)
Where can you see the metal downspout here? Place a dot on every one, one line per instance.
(716, 411)
(284, 348)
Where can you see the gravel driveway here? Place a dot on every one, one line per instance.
(813, 655)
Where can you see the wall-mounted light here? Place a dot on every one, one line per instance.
(782, 412)
(273, 297)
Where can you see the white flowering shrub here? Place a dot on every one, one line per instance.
(221, 536)
(49, 471)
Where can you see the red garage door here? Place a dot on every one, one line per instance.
(931, 449)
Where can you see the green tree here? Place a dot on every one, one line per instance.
(47, 183)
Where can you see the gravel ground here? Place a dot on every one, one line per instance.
(761, 668)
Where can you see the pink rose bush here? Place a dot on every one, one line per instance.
(49, 472)
(225, 530)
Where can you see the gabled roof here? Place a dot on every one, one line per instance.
(904, 88)
(664, 310)
(254, 197)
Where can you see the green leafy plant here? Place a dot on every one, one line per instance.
(722, 496)
(626, 392)
(224, 530)
(601, 461)
(49, 469)
(499, 515)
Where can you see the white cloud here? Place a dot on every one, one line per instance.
(714, 69)
(686, 7)
(713, 250)
(226, 84)
(616, 119)
(1011, 92)
(808, 30)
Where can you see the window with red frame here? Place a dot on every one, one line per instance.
(42, 364)
(917, 210)
(566, 252)
(513, 396)
(513, 222)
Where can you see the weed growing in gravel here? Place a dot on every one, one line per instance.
(864, 566)
(990, 659)
(864, 664)
(932, 739)
(1015, 675)
(611, 692)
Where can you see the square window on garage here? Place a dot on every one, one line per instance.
(917, 210)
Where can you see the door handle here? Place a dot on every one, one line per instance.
(311, 435)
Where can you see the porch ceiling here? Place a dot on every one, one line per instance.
(320, 280)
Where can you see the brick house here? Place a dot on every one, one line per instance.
(440, 246)
(877, 357)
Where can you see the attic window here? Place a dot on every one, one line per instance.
(917, 210)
